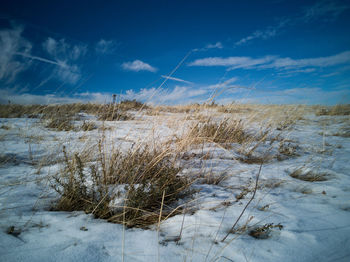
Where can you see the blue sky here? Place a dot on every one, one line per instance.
(175, 52)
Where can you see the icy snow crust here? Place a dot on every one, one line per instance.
(315, 215)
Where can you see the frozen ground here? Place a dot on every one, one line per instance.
(315, 216)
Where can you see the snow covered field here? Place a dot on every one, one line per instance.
(301, 210)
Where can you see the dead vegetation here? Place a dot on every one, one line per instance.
(337, 110)
(223, 132)
(128, 188)
(264, 232)
(88, 126)
(115, 111)
(310, 175)
(60, 124)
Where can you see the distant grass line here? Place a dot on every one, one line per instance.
(337, 110)
(67, 110)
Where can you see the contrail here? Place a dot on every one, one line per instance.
(177, 79)
(41, 59)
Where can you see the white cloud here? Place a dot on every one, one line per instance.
(233, 62)
(177, 79)
(176, 95)
(275, 62)
(326, 10)
(137, 66)
(105, 46)
(12, 42)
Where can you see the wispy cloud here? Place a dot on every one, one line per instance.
(177, 79)
(12, 42)
(176, 95)
(137, 66)
(16, 56)
(105, 46)
(233, 62)
(289, 63)
(41, 59)
(326, 10)
(262, 34)
(274, 62)
(65, 56)
(224, 84)
(61, 50)
(217, 45)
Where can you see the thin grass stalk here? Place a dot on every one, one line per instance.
(244, 209)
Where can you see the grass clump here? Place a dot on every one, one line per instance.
(88, 126)
(222, 132)
(60, 124)
(132, 105)
(112, 113)
(309, 176)
(264, 232)
(74, 193)
(128, 188)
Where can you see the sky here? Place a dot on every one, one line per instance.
(175, 52)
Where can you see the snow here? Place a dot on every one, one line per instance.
(315, 215)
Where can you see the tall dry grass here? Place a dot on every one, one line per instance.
(122, 187)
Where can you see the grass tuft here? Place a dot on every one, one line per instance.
(222, 132)
(309, 176)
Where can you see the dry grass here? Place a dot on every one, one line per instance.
(60, 124)
(223, 132)
(145, 175)
(88, 126)
(264, 232)
(337, 110)
(343, 132)
(112, 113)
(309, 175)
(132, 105)
(103, 111)
(17, 111)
